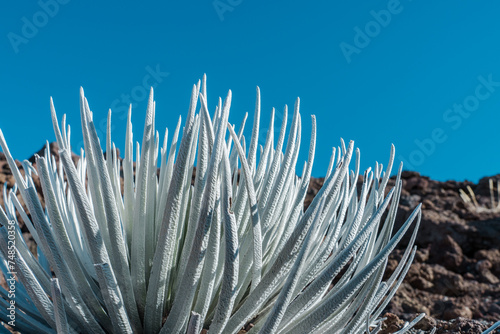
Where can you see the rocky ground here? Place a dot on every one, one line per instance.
(455, 278)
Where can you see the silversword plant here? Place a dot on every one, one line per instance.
(159, 253)
(471, 201)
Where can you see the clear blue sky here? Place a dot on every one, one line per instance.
(422, 75)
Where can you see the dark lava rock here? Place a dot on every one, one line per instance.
(455, 277)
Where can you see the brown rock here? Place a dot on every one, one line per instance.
(391, 324)
(457, 311)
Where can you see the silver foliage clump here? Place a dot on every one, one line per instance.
(160, 255)
(471, 201)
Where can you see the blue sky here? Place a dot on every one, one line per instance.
(422, 75)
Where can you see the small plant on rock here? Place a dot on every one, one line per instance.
(471, 203)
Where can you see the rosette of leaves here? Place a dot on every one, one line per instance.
(472, 204)
(160, 253)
